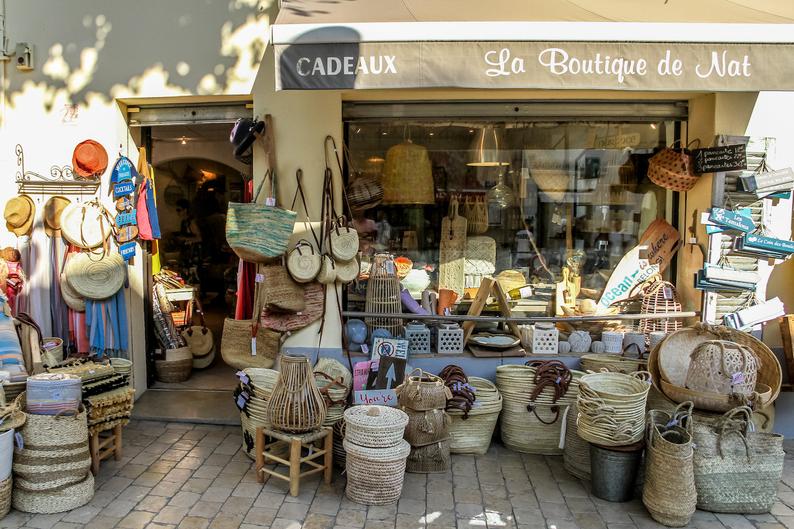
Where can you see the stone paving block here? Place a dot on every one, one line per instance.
(379, 524)
(193, 522)
(152, 503)
(285, 523)
(184, 499)
(410, 506)
(318, 521)
(258, 516)
(198, 485)
(136, 520)
(353, 519)
(226, 521)
(44, 521)
(382, 512)
(293, 511)
(101, 522)
(735, 521)
(206, 471)
(205, 509)
(237, 504)
(171, 514)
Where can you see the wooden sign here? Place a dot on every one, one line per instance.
(731, 220)
(391, 372)
(718, 159)
(662, 240)
(123, 219)
(360, 374)
(122, 189)
(394, 347)
(761, 242)
(127, 250)
(124, 203)
(127, 233)
(631, 270)
(382, 397)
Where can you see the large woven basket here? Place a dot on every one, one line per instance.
(736, 470)
(54, 501)
(425, 427)
(424, 391)
(576, 452)
(257, 232)
(429, 459)
(5, 496)
(612, 408)
(527, 425)
(177, 366)
(375, 475)
(375, 426)
(616, 363)
(472, 433)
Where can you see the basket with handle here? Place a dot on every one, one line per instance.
(423, 391)
(296, 404)
(673, 168)
(471, 432)
(720, 366)
(612, 407)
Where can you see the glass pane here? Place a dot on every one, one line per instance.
(546, 195)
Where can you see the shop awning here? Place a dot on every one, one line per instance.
(703, 45)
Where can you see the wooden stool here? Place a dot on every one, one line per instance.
(295, 442)
(103, 445)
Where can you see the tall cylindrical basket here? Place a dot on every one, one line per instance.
(383, 295)
(296, 404)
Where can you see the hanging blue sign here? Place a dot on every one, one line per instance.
(123, 189)
(760, 242)
(122, 219)
(731, 220)
(127, 250)
(123, 170)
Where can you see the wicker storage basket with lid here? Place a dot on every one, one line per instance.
(375, 475)
(612, 408)
(375, 426)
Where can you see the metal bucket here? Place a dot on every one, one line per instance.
(614, 471)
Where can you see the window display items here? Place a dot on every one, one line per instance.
(383, 296)
(408, 175)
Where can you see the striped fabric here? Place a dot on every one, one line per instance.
(10, 351)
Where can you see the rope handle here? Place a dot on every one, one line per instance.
(299, 192)
(303, 243)
(727, 426)
(333, 382)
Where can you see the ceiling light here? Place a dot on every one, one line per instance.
(653, 126)
(184, 141)
(485, 149)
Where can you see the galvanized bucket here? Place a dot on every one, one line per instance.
(614, 471)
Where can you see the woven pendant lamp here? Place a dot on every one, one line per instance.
(408, 175)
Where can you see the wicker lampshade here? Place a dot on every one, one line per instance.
(408, 175)
(486, 148)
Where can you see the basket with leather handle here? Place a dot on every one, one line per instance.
(238, 347)
(199, 338)
(423, 391)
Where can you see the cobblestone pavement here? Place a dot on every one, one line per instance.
(186, 476)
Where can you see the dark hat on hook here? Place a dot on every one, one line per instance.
(243, 135)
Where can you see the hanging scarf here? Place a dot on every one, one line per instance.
(106, 322)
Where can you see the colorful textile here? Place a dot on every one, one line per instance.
(246, 274)
(53, 393)
(106, 324)
(14, 285)
(59, 309)
(11, 359)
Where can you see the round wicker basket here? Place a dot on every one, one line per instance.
(375, 475)
(177, 366)
(375, 426)
(576, 453)
(612, 408)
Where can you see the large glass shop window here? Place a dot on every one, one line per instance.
(537, 197)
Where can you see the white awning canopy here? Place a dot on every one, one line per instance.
(602, 44)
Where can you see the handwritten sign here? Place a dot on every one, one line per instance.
(722, 158)
(122, 219)
(731, 220)
(662, 240)
(123, 189)
(382, 397)
(394, 347)
(360, 375)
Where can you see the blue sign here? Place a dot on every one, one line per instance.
(123, 170)
(123, 189)
(122, 219)
(763, 243)
(127, 250)
(731, 220)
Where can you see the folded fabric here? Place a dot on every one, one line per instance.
(106, 384)
(10, 349)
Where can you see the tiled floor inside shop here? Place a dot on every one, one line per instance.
(177, 475)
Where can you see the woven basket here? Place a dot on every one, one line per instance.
(614, 363)
(716, 402)
(13, 389)
(313, 296)
(5, 497)
(430, 458)
(612, 408)
(408, 175)
(383, 295)
(121, 366)
(576, 453)
(54, 501)
(472, 434)
(718, 366)
(364, 192)
(375, 475)
(669, 488)
(236, 344)
(422, 392)
(280, 292)
(672, 169)
(375, 426)
(527, 425)
(736, 470)
(659, 297)
(340, 456)
(296, 404)
(257, 232)
(177, 366)
(425, 427)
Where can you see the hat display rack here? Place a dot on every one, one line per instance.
(61, 180)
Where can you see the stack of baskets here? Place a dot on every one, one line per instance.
(261, 383)
(122, 366)
(535, 398)
(612, 408)
(576, 452)
(52, 470)
(334, 381)
(375, 454)
(470, 433)
(12, 419)
(424, 399)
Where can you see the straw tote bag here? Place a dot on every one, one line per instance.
(246, 343)
(199, 338)
(281, 293)
(303, 262)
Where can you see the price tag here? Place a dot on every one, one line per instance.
(270, 201)
(253, 346)
(737, 378)
(668, 292)
(365, 348)
(390, 267)
(243, 377)
(260, 278)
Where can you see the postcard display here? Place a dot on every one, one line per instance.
(749, 232)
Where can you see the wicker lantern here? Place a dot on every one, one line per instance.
(408, 175)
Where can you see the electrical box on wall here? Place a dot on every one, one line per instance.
(24, 56)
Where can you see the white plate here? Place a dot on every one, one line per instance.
(495, 341)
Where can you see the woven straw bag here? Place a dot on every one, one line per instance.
(422, 392)
(314, 297)
(327, 273)
(236, 344)
(672, 169)
(719, 366)
(176, 367)
(476, 212)
(736, 470)
(375, 426)
(364, 192)
(471, 433)
(296, 404)
(5, 496)
(430, 458)
(259, 232)
(669, 488)
(347, 271)
(576, 452)
(343, 240)
(281, 293)
(303, 263)
(425, 427)
(612, 408)
(62, 499)
(199, 338)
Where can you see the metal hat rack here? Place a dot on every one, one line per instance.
(60, 182)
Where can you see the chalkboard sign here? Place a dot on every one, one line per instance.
(717, 159)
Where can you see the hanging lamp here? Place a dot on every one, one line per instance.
(485, 149)
(408, 175)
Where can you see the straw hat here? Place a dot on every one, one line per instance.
(53, 210)
(72, 299)
(89, 159)
(85, 225)
(19, 214)
(94, 275)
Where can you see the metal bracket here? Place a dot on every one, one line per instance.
(60, 181)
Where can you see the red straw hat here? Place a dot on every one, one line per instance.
(89, 160)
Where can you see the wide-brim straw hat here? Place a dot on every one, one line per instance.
(53, 209)
(85, 225)
(19, 213)
(72, 299)
(89, 159)
(95, 275)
